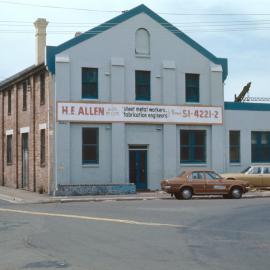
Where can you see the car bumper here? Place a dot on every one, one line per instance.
(167, 189)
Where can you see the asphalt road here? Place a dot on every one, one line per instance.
(160, 234)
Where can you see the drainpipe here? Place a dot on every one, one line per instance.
(34, 133)
(17, 139)
(3, 141)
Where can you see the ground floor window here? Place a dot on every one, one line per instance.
(90, 145)
(9, 149)
(192, 146)
(260, 146)
(234, 146)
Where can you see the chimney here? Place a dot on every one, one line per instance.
(40, 25)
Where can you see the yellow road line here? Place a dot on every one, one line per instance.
(123, 221)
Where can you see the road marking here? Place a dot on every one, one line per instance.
(123, 221)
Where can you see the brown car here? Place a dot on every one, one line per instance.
(203, 182)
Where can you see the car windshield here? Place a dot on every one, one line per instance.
(246, 169)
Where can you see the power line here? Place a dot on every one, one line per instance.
(58, 7)
(173, 23)
(119, 11)
(7, 31)
(202, 24)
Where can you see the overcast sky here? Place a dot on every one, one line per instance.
(236, 30)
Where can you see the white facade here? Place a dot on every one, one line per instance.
(138, 41)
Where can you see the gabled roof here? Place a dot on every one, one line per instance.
(53, 50)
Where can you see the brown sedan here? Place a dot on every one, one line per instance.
(203, 182)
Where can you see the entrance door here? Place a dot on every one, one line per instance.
(138, 166)
(25, 160)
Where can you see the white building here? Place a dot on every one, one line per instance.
(136, 100)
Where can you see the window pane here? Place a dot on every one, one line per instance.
(234, 137)
(184, 154)
(198, 175)
(142, 85)
(9, 101)
(234, 145)
(199, 154)
(89, 83)
(89, 154)
(42, 88)
(184, 137)
(193, 146)
(24, 96)
(42, 146)
(192, 87)
(9, 149)
(260, 146)
(199, 138)
(90, 145)
(89, 136)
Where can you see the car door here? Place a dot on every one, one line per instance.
(266, 177)
(197, 181)
(215, 184)
(254, 176)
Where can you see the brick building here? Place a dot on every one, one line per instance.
(25, 124)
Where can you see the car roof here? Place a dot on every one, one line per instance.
(199, 170)
(260, 165)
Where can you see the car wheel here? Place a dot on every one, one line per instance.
(186, 193)
(236, 193)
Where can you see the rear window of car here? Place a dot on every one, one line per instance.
(196, 175)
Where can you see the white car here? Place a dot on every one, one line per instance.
(256, 176)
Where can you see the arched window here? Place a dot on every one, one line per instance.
(142, 42)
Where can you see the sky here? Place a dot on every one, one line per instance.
(236, 30)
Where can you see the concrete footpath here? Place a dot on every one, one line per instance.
(19, 196)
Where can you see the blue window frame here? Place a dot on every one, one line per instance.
(90, 83)
(192, 146)
(142, 85)
(260, 146)
(234, 146)
(90, 143)
(192, 87)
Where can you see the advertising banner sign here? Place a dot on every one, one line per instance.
(138, 113)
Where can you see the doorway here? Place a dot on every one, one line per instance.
(25, 160)
(138, 166)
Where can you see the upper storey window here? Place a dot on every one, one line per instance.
(142, 85)
(24, 107)
(192, 87)
(142, 42)
(90, 83)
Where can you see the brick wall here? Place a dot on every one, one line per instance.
(30, 121)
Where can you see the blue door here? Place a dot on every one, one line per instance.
(138, 168)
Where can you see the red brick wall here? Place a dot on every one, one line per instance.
(36, 114)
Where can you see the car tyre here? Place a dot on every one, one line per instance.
(236, 193)
(186, 193)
